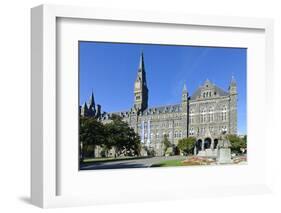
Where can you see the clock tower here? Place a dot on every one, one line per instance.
(140, 88)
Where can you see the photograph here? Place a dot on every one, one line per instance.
(161, 105)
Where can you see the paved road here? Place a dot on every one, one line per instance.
(132, 163)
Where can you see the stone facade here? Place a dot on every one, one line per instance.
(204, 115)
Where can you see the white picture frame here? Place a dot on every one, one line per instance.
(45, 168)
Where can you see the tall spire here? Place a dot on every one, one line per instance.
(141, 64)
(92, 101)
(140, 88)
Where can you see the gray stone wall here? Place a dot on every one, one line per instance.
(212, 114)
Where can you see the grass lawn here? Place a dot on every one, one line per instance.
(167, 163)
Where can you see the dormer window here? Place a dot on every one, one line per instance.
(206, 94)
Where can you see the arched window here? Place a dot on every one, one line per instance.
(191, 111)
(224, 113)
(211, 112)
(171, 124)
(176, 134)
(170, 135)
(191, 131)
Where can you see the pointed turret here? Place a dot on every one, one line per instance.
(85, 107)
(92, 101)
(233, 106)
(84, 110)
(184, 93)
(233, 86)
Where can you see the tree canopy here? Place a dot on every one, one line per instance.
(166, 143)
(122, 137)
(92, 132)
(237, 143)
(186, 145)
(116, 134)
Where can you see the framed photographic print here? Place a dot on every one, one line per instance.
(148, 105)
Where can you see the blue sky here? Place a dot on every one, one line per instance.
(109, 70)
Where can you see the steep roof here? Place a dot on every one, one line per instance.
(165, 108)
(153, 110)
(213, 87)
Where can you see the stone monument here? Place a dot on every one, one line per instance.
(224, 151)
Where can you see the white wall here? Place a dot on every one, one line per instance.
(15, 98)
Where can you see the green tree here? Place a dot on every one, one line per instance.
(245, 139)
(122, 138)
(186, 145)
(116, 134)
(166, 143)
(92, 134)
(237, 143)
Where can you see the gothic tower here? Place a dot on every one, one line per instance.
(185, 110)
(92, 105)
(140, 88)
(232, 106)
(84, 110)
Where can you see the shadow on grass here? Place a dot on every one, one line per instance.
(119, 165)
(97, 160)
